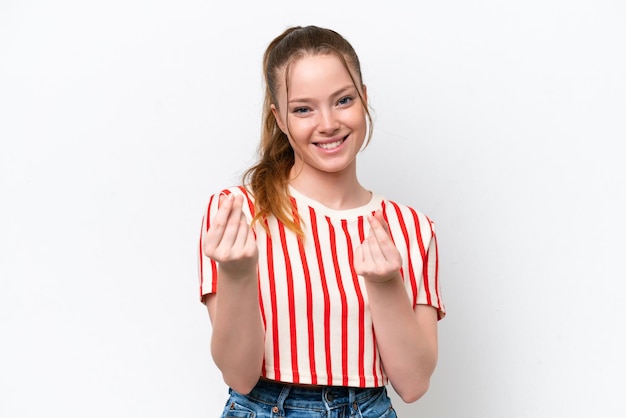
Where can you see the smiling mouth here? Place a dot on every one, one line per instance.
(331, 145)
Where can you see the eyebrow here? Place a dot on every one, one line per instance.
(336, 93)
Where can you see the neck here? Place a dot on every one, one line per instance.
(334, 190)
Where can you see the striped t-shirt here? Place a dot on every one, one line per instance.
(318, 327)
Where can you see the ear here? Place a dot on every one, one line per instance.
(279, 120)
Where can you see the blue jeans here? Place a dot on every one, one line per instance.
(271, 399)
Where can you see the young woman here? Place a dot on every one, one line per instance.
(320, 292)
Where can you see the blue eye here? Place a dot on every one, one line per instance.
(300, 110)
(344, 100)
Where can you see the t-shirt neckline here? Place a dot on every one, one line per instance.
(374, 203)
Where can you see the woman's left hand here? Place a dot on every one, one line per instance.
(377, 259)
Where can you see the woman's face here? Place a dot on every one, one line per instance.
(322, 115)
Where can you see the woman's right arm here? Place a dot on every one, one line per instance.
(237, 341)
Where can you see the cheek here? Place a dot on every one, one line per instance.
(297, 149)
(300, 135)
(300, 129)
(359, 124)
(360, 118)
(296, 142)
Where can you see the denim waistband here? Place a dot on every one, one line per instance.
(289, 395)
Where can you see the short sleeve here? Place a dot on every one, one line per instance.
(429, 287)
(207, 268)
(414, 235)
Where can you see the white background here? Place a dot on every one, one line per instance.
(504, 121)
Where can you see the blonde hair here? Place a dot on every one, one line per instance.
(268, 179)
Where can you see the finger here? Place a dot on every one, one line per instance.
(231, 229)
(218, 223)
(379, 220)
(242, 232)
(380, 234)
(245, 241)
(360, 263)
(220, 233)
(373, 249)
(358, 255)
(377, 232)
(368, 257)
(378, 215)
(224, 206)
(250, 244)
(221, 198)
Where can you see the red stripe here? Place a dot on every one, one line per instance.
(405, 234)
(361, 226)
(270, 273)
(309, 310)
(213, 263)
(208, 213)
(344, 303)
(292, 305)
(361, 302)
(263, 369)
(390, 234)
(309, 301)
(420, 239)
(320, 263)
(261, 303)
(262, 308)
(248, 199)
(376, 370)
(420, 242)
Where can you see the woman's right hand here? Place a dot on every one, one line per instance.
(230, 240)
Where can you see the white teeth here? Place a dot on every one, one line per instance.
(331, 145)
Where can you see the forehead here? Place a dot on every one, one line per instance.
(315, 72)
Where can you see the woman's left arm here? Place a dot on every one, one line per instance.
(406, 336)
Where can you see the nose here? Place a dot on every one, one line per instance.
(328, 122)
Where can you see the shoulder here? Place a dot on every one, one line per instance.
(234, 190)
(237, 190)
(213, 200)
(403, 210)
(408, 219)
